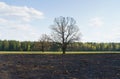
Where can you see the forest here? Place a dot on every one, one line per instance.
(13, 45)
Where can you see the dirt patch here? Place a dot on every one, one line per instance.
(85, 66)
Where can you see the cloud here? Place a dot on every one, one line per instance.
(115, 34)
(23, 13)
(3, 20)
(18, 32)
(105, 35)
(15, 22)
(96, 21)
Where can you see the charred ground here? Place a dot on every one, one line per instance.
(68, 66)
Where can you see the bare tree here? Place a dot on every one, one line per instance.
(44, 42)
(65, 31)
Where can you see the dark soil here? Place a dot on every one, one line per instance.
(85, 66)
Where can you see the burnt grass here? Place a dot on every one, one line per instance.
(47, 66)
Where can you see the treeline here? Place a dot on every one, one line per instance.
(12, 45)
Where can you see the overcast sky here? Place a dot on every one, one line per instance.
(98, 20)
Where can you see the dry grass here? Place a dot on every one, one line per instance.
(39, 52)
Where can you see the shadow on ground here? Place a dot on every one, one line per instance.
(88, 66)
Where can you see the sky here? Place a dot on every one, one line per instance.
(26, 20)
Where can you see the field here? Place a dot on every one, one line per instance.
(36, 65)
(38, 52)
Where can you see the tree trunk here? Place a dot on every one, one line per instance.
(42, 48)
(63, 51)
(64, 48)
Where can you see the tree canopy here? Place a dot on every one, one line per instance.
(65, 31)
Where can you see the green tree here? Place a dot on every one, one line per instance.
(12, 45)
(5, 45)
(1, 45)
